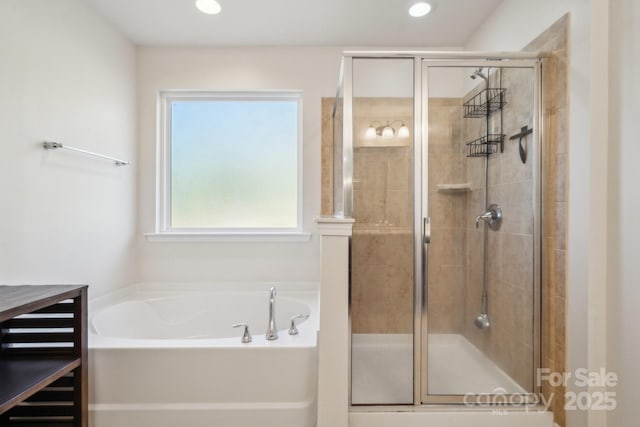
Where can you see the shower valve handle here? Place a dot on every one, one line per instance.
(493, 217)
(486, 217)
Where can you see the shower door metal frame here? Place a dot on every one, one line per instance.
(422, 232)
(422, 61)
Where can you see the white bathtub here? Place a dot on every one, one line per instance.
(166, 355)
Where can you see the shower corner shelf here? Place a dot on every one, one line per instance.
(484, 103)
(455, 188)
(485, 146)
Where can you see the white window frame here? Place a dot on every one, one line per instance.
(163, 230)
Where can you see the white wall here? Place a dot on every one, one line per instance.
(65, 76)
(382, 78)
(394, 78)
(313, 70)
(513, 25)
(624, 201)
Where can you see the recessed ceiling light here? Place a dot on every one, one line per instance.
(419, 9)
(210, 7)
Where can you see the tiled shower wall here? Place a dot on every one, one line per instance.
(447, 210)
(552, 44)
(508, 182)
(509, 340)
(382, 241)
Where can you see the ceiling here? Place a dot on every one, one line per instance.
(379, 23)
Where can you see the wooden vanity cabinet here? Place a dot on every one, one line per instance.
(43, 356)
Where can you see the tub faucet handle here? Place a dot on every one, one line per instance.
(293, 329)
(246, 336)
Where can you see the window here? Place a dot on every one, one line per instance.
(230, 164)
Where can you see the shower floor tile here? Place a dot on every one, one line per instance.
(382, 368)
(457, 367)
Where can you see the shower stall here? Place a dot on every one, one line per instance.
(436, 156)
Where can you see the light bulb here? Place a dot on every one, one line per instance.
(403, 132)
(387, 132)
(370, 133)
(210, 7)
(419, 9)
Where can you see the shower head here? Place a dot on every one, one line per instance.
(478, 73)
(482, 321)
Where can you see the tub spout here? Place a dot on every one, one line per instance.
(272, 331)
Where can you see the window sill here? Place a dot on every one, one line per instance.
(255, 237)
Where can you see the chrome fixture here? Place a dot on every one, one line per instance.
(387, 130)
(272, 331)
(482, 321)
(493, 217)
(478, 73)
(246, 336)
(54, 145)
(293, 330)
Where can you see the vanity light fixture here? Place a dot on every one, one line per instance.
(386, 130)
(419, 9)
(210, 7)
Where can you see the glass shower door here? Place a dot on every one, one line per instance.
(382, 259)
(456, 319)
(479, 329)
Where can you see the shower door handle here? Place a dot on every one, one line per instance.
(426, 230)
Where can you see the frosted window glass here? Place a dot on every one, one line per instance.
(234, 164)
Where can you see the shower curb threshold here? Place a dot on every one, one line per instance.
(450, 416)
(359, 409)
